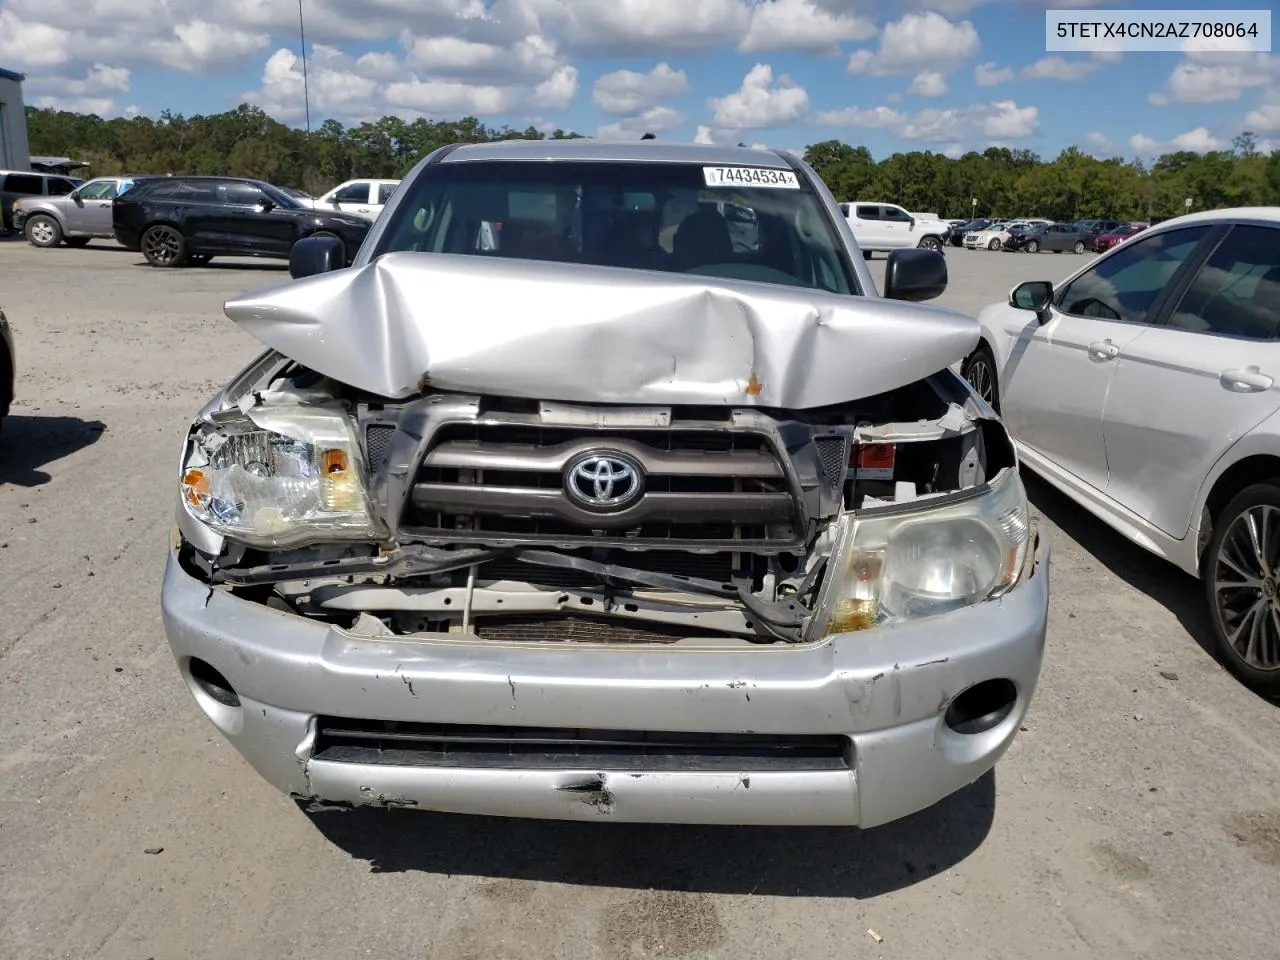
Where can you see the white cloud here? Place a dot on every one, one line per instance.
(1266, 118)
(1198, 140)
(1099, 145)
(875, 117)
(761, 101)
(1196, 80)
(98, 79)
(438, 97)
(928, 84)
(989, 75)
(953, 150)
(918, 41)
(626, 91)
(29, 45)
(102, 106)
(530, 59)
(1108, 56)
(1058, 68)
(703, 136)
(645, 26)
(802, 25)
(1158, 99)
(334, 86)
(655, 120)
(1002, 120)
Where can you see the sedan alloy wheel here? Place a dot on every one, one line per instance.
(1242, 581)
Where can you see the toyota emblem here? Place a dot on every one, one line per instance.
(603, 481)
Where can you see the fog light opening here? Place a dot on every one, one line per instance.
(212, 683)
(982, 707)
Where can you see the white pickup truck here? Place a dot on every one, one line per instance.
(881, 227)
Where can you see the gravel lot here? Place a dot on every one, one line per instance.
(1137, 816)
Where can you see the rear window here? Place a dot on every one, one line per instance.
(23, 183)
(648, 216)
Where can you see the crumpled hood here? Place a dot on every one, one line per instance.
(409, 322)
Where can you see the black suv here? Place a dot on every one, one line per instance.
(188, 220)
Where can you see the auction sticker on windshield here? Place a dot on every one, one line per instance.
(750, 177)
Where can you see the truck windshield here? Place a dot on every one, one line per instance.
(644, 216)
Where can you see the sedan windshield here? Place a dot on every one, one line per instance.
(646, 216)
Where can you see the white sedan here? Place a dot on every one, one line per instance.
(1144, 386)
(994, 236)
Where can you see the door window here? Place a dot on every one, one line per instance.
(1237, 291)
(1125, 285)
(194, 191)
(99, 190)
(60, 187)
(385, 190)
(240, 194)
(868, 211)
(353, 193)
(895, 214)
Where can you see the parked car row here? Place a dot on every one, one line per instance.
(1034, 234)
(1146, 387)
(182, 220)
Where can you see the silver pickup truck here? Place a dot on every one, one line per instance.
(559, 503)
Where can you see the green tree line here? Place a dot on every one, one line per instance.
(247, 142)
(1072, 186)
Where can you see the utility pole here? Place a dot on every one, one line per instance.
(306, 91)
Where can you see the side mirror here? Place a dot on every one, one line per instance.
(1033, 295)
(314, 255)
(915, 274)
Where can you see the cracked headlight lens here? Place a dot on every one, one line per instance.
(279, 478)
(925, 558)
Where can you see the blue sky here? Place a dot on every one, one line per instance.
(946, 75)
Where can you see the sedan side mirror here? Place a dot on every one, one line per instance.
(1033, 295)
(265, 205)
(315, 255)
(915, 274)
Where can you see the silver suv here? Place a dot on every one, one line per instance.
(76, 218)
(25, 183)
(558, 503)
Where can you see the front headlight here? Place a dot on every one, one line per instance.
(901, 564)
(279, 478)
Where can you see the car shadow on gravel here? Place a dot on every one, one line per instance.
(1160, 580)
(772, 861)
(27, 443)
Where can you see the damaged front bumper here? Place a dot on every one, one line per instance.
(859, 729)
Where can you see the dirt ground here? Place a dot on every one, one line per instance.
(1137, 815)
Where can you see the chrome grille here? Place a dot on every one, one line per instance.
(490, 481)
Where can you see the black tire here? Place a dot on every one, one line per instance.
(930, 243)
(1079, 247)
(164, 246)
(42, 231)
(1033, 246)
(78, 242)
(1236, 610)
(979, 371)
(994, 244)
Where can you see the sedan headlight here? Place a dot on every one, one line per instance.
(897, 564)
(279, 478)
